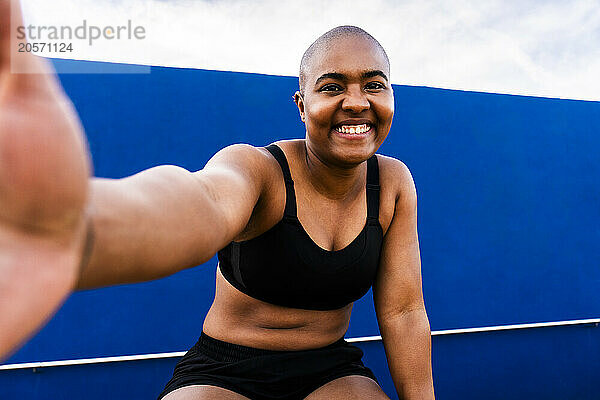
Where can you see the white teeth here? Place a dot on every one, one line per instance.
(353, 129)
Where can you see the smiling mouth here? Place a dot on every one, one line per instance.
(353, 131)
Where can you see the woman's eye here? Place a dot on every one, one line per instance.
(375, 86)
(330, 88)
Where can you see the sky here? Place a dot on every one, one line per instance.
(547, 48)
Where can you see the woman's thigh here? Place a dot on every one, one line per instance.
(203, 392)
(354, 387)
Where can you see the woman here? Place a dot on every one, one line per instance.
(288, 270)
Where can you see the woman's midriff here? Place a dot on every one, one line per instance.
(235, 317)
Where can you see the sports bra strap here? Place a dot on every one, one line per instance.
(290, 201)
(373, 188)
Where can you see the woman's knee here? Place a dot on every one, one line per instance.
(203, 392)
(352, 387)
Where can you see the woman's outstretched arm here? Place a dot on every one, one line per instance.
(398, 297)
(144, 227)
(165, 219)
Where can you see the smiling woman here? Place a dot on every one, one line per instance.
(344, 87)
(302, 228)
(287, 281)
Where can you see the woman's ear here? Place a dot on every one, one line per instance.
(299, 100)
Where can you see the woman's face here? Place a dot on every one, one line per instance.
(348, 102)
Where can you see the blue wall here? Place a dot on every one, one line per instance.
(509, 225)
(546, 363)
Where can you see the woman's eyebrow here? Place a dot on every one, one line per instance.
(342, 77)
(375, 72)
(331, 75)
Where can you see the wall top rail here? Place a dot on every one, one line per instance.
(154, 356)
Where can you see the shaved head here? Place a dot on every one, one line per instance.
(325, 43)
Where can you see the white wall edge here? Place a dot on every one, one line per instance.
(154, 356)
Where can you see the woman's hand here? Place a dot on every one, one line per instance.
(44, 171)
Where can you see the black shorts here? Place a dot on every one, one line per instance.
(265, 374)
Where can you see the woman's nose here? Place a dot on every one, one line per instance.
(355, 101)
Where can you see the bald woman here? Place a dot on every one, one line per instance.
(302, 229)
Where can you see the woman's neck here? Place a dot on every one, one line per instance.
(331, 181)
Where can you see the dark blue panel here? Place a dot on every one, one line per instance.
(122, 380)
(508, 201)
(543, 363)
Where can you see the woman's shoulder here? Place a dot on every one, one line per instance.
(397, 188)
(394, 174)
(260, 153)
(398, 192)
(251, 162)
(247, 156)
(289, 145)
(260, 162)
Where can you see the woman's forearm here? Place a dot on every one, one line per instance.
(147, 226)
(407, 342)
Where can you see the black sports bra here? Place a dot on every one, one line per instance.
(284, 266)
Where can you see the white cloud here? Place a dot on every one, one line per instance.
(541, 48)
